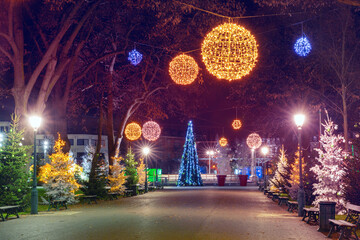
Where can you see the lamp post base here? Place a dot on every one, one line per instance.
(34, 200)
(301, 202)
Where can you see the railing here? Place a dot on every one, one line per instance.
(171, 179)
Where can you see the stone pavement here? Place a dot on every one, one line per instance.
(172, 213)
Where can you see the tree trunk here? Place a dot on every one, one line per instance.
(345, 118)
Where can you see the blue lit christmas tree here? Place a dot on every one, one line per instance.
(189, 174)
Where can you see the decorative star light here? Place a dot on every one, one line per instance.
(151, 131)
(236, 124)
(254, 141)
(183, 69)
(223, 142)
(135, 57)
(302, 46)
(133, 131)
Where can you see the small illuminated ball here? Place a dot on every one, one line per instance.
(229, 51)
(133, 131)
(302, 46)
(223, 142)
(135, 57)
(151, 131)
(254, 141)
(236, 124)
(183, 69)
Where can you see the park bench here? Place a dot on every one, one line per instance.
(56, 204)
(89, 198)
(128, 192)
(113, 195)
(283, 200)
(292, 205)
(275, 196)
(141, 189)
(266, 191)
(270, 194)
(312, 213)
(9, 210)
(349, 225)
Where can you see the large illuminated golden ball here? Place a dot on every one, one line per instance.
(183, 69)
(133, 131)
(236, 124)
(254, 141)
(229, 51)
(223, 142)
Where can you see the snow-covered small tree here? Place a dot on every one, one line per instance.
(86, 162)
(141, 171)
(329, 172)
(59, 175)
(294, 180)
(117, 176)
(280, 178)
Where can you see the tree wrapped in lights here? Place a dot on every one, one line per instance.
(141, 171)
(229, 51)
(132, 177)
(151, 131)
(281, 175)
(189, 174)
(14, 185)
(183, 69)
(294, 180)
(117, 177)
(330, 171)
(133, 131)
(59, 175)
(135, 57)
(302, 46)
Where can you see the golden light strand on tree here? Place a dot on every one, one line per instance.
(229, 51)
(133, 131)
(141, 172)
(183, 69)
(223, 141)
(117, 177)
(236, 124)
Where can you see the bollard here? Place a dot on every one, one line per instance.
(327, 211)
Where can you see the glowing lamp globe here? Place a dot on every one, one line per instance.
(254, 141)
(183, 69)
(151, 131)
(236, 124)
(229, 51)
(223, 142)
(302, 46)
(35, 122)
(133, 131)
(135, 57)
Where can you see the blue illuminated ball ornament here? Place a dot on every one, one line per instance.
(302, 46)
(135, 57)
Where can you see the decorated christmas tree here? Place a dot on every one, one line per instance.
(294, 180)
(189, 174)
(329, 171)
(117, 177)
(130, 170)
(86, 162)
(14, 185)
(59, 175)
(141, 171)
(281, 175)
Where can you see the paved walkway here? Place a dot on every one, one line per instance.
(174, 213)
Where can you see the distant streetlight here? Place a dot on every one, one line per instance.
(35, 122)
(210, 153)
(265, 151)
(146, 151)
(299, 121)
(46, 145)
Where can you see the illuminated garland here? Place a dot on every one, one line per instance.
(223, 142)
(135, 57)
(302, 46)
(183, 69)
(254, 141)
(133, 131)
(229, 51)
(236, 124)
(151, 131)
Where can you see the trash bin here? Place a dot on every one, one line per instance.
(221, 180)
(243, 180)
(327, 211)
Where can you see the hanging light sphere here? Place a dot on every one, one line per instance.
(229, 51)
(133, 131)
(302, 46)
(223, 142)
(151, 131)
(254, 141)
(135, 57)
(236, 124)
(183, 69)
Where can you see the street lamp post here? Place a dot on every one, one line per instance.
(146, 151)
(299, 121)
(210, 153)
(265, 151)
(35, 122)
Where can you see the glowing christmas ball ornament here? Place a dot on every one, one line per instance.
(223, 142)
(302, 46)
(135, 57)
(133, 131)
(183, 69)
(254, 141)
(236, 124)
(229, 51)
(151, 131)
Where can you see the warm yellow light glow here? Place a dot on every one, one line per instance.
(223, 142)
(133, 131)
(299, 120)
(229, 51)
(183, 69)
(236, 124)
(254, 141)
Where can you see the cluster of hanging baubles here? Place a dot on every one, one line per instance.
(150, 131)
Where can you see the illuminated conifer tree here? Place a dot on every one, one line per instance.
(117, 177)
(295, 176)
(280, 178)
(141, 172)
